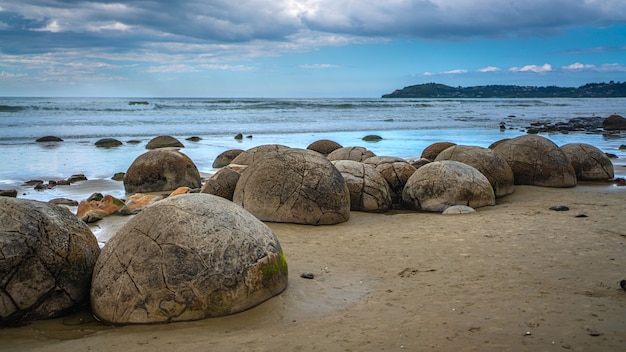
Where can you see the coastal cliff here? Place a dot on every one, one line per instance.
(436, 90)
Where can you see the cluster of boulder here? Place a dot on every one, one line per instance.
(204, 251)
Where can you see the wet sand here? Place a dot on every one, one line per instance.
(512, 277)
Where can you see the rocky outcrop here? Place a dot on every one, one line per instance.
(614, 122)
(296, 186)
(188, 257)
(47, 259)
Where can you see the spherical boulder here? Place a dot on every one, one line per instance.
(431, 151)
(164, 142)
(350, 153)
(108, 143)
(296, 186)
(395, 170)
(441, 184)
(251, 155)
(226, 157)
(47, 256)
(614, 122)
(324, 146)
(369, 191)
(161, 170)
(488, 162)
(184, 258)
(536, 160)
(589, 162)
(222, 183)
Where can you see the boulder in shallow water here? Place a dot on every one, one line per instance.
(48, 255)
(161, 170)
(49, 139)
(108, 143)
(189, 257)
(226, 157)
(614, 122)
(431, 151)
(164, 142)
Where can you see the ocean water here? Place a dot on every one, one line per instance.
(406, 125)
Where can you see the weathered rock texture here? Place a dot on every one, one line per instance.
(431, 152)
(441, 184)
(297, 186)
(324, 146)
(350, 153)
(161, 170)
(251, 155)
(226, 157)
(614, 122)
(222, 183)
(164, 142)
(395, 170)
(47, 256)
(536, 160)
(369, 191)
(488, 162)
(184, 258)
(589, 162)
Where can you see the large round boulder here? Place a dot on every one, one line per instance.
(164, 142)
(614, 122)
(589, 162)
(161, 170)
(431, 151)
(324, 146)
(226, 157)
(395, 170)
(350, 153)
(184, 258)
(296, 186)
(222, 183)
(369, 191)
(488, 162)
(251, 155)
(537, 161)
(47, 256)
(441, 184)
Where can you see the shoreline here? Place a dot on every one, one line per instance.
(514, 276)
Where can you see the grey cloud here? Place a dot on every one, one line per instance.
(137, 24)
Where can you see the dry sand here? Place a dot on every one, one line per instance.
(512, 277)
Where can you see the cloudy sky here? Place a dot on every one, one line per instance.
(303, 48)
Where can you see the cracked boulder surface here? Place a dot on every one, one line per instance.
(161, 170)
(222, 183)
(350, 153)
(441, 184)
(189, 257)
(589, 162)
(324, 146)
(536, 161)
(488, 162)
(294, 186)
(369, 191)
(431, 151)
(47, 256)
(395, 170)
(251, 155)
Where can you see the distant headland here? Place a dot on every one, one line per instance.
(436, 90)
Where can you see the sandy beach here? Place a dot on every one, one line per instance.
(512, 277)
